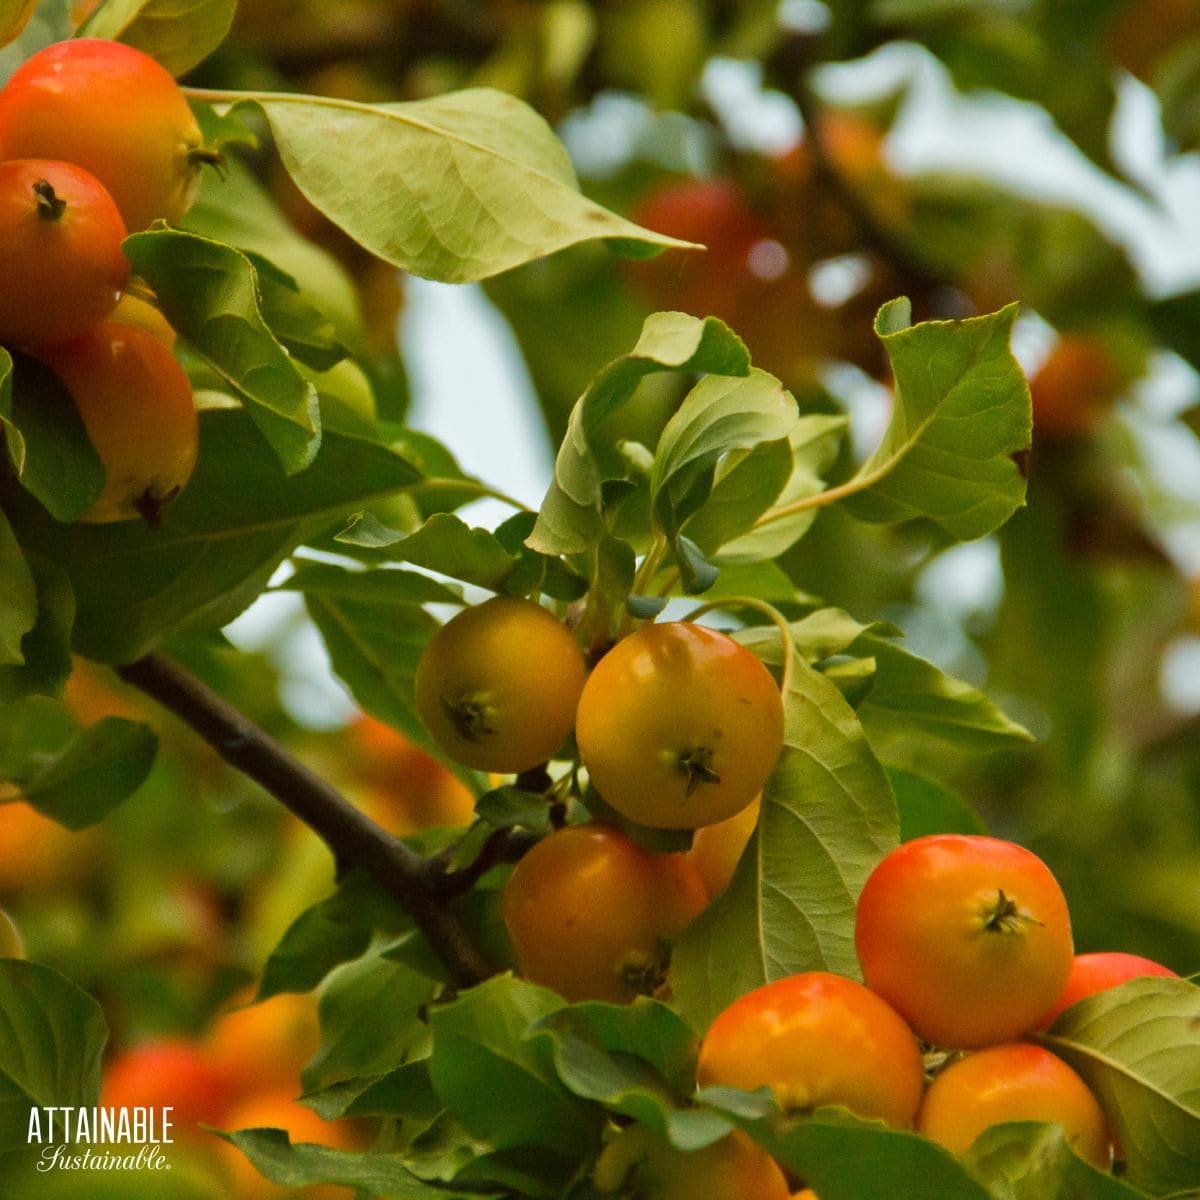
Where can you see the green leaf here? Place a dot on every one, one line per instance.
(210, 294)
(18, 597)
(97, 770)
(32, 730)
(407, 1091)
(908, 697)
(235, 209)
(818, 636)
(374, 648)
(1136, 1047)
(962, 410)
(370, 1020)
(927, 807)
(775, 474)
(911, 697)
(46, 441)
(828, 817)
(571, 521)
(456, 188)
(178, 33)
(308, 334)
(444, 544)
(1033, 1161)
(721, 415)
(843, 1158)
(47, 646)
(380, 585)
(51, 1038)
(290, 1165)
(329, 933)
(637, 1059)
(218, 544)
(502, 1085)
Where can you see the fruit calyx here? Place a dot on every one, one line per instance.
(50, 205)
(1007, 916)
(471, 716)
(150, 506)
(696, 764)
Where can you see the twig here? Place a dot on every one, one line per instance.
(505, 845)
(354, 839)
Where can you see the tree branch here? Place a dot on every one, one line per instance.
(354, 839)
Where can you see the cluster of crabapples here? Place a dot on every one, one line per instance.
(98, 142)
(964, 942)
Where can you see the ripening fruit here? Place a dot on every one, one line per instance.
(817, 1039)
(1093, 973)
(679, 726)
(136, 404)
(498, 685)
(716, 849)
(589, 912)
(61, 264)
(113, 110)
(967, 937)
(263, 1046)
(1013, 1082)
(38, 856)
(133, 310)
(168, 1072)
(409, 790)
(639, 1162)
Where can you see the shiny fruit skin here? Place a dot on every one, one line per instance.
(817, 1039)
(639, 1162)
(1094, 973)
(137, 407)
(587, 912)
(60, 252)
(498, 685)
(133, 310)
(679, 726)
(967, 937)
(717, 849)
(113, 110)
(1017, 1081)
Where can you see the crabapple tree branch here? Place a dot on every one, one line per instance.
(354, 839)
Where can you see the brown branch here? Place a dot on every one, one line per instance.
(354, 839)
(507, 845)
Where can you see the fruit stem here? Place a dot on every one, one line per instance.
(777, 619)
(50, 205)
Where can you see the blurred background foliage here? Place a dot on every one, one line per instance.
(786, 136)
